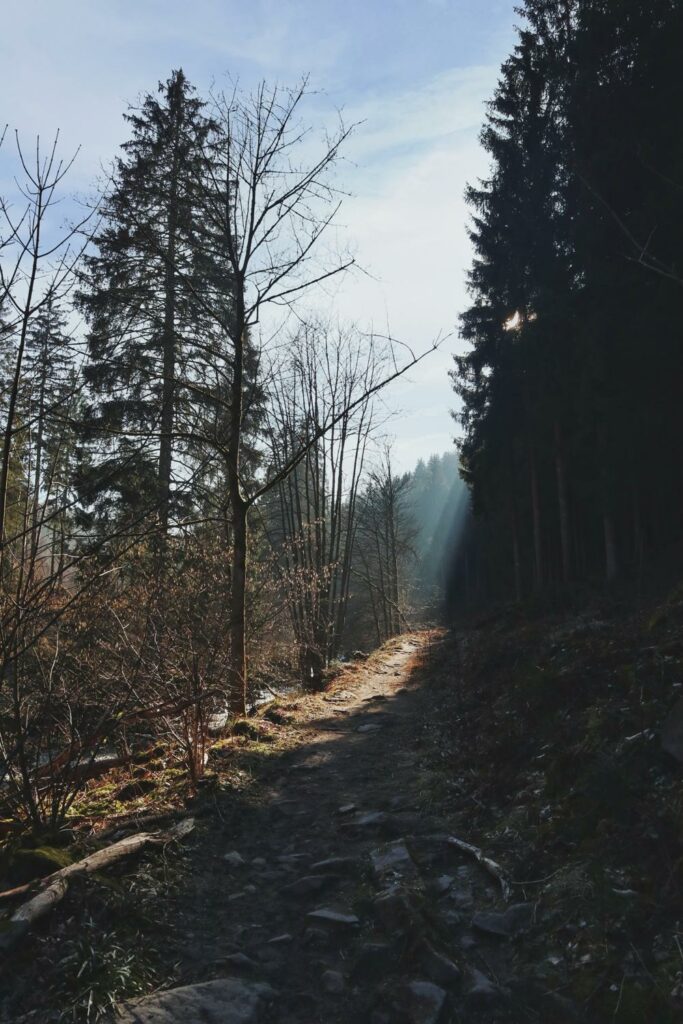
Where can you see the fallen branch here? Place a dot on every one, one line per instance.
(486, 862)
(121, 822)
(19, 890)
(91, 767)
(55, 887)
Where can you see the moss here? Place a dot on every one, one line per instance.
(253, 730)
(27, 864)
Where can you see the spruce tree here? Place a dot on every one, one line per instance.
(139, 295)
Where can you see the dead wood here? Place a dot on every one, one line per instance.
(54, 888)
(489, 865)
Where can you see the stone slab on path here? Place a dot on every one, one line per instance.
(225, 1001)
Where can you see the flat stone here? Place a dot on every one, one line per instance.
(370, 819)
(443, 884)
(234, 859)
(479, 988)
(333, 982)
(426, 1002)
(338, 865)
(309, 885)
(240, 960)
(226, 1001)
(326, 915)
(392, 860)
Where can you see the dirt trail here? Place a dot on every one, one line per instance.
(338, 889)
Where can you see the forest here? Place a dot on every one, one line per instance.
(296, 728)
(570, 407)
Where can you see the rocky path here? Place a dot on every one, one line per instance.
(339, 897)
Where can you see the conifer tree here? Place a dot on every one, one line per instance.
(139, 296)
(570, 388)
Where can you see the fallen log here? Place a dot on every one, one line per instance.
(54, 888)
(90, 768)
(489, 865)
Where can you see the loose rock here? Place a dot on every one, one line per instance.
(227, 1001)
(234, 859)
(336, 865)
(333, 982)
(333, 917)
(426, 1002)
(392, 860)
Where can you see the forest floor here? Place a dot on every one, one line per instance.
(329, 879)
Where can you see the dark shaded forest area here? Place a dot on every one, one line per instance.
(571, 408)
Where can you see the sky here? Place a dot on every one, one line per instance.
(413, 74)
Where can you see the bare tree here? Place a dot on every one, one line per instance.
(385, 545)
(36, 269)
(268, 204)
(311, 516)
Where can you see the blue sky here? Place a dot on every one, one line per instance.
(416, 73)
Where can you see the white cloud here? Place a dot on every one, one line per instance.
(408, 221)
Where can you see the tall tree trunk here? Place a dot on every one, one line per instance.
(395, 595)
(18, 365)
(563, 505)
(610, 546)
(638, 539)
(237, 681)
(516, 559)
(169, 358)
(536, 515)
(237, 697)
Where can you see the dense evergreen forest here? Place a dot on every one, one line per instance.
(571, 413)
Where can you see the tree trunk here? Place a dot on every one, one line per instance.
(516, 560)
(237, 696)
(638, 539)
(536, 514)
(563, 504)
(169, 358)
(610, 546)
(237, 681)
